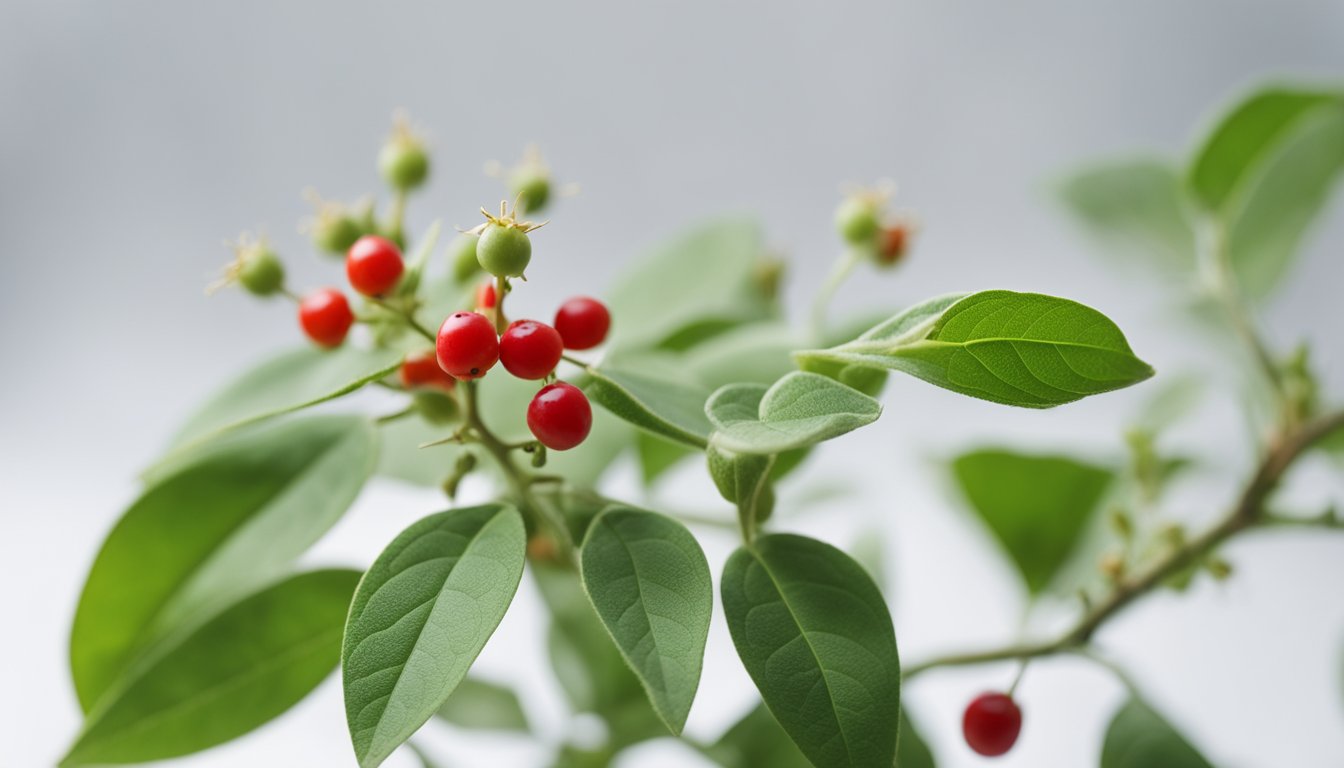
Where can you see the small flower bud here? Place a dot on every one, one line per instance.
(404, 161)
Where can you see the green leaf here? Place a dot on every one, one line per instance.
(1036, 506)
(415, 266)
(1276, 206)
(650, 583)
(238, 670)
(745, 479)
(799, 410)
(911, 750)
(421, 616)
(754, 741)
(1138, 208)
(813, 631)
(1246, 138)
(1023, 349)
(758, 353)
(1139, 737)
(293, 381)
(654, 397)
(483, 705)
(657, 455)
(706, 277)
(218, 526)
(591, 670)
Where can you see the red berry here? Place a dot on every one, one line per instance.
(560, 416)
(891, 244)
(421, 370)
(373, 265)
(326, 317)
(582, 322)
(467, 346)
(485, 296)
(991, 723)
(530, 350)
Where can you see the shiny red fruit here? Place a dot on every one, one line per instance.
(582, 322)
(467, 346)
(373, 265)
(326, 317)
(530, 350)
(421, 371)
(560, 416)
(991, 724)
(485, 296)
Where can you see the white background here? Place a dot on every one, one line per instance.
(135, 136)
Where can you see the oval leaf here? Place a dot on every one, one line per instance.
(813, 631)
(483, 705)
(705, 277)
(295, 380)
(650, 583)
(1137, 209)
(1139, 737)
(218, 526)
(421, 616)
(756, 740)
(799, 410)
(1023, 349)
(233, 673)
(1036, 506)
(654, 398)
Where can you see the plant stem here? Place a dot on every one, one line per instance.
(501, 288)
(397, 216)
(407, 316)
(839, 273)
(519, 480)
(1229, 295)
(1247, 512)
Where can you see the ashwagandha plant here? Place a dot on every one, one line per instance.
(194, 628)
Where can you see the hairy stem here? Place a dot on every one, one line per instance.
(839, 273)
(1248, 511)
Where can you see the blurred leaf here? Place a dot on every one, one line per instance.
(757, 353)
(238, 670)
(1271, 213)
(706, 277)
(483, 705)
(650, 584)
(293, 381)
(755, 741)
(813, 631)
(1139, 208)
(1036, 506)
(657, 455)
(1170, 400)
(1138, 737)
(216, 527)
(869, 552)
(1023, 349)
(797, 411)
(911, 750)
(654, 397)
(591, 670)
(421, 616)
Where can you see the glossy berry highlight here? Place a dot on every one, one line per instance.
(991, 724)
(582, 322)
(421, 370)
(467, 346)
(530, 350)
(373, 265)
(560, 416)
(326, 317)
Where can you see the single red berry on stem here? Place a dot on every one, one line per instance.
(373, 265)
(467, 346)
(485, 296)
(560, 416)
(530, 350)
(991, 724)
(582, 322)
(326, 317)
(421, 371)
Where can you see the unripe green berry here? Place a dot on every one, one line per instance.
(503, 251)
(260, 271)
(462, 255)
(436, 407)
(531, 187)
(404, 163)
(335, 234)
(857, 221)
